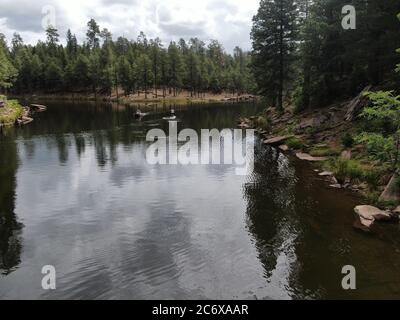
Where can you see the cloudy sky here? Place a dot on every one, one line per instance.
(228, 21)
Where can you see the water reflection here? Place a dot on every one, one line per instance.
(270, 197)
(116, 227)
(10, 228)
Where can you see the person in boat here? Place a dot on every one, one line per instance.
(138, 113)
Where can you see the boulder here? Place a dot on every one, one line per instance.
(363, 224)
(276, 140)
(307, 157)
(397, 210)
(284, 147)
(334, 180)
(372, 213)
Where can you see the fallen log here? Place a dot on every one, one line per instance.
(357, 104)
(38, 107)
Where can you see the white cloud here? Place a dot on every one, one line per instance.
(228, 21)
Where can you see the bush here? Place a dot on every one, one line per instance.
(347, 140)
(372, 177)
(263, 123)
(295, 143)
(10, 112)
(344, 169)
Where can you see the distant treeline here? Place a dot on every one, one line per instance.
(102, 64)
(302, 51)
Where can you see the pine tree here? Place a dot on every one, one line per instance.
(175, 67)
(144, 72)
(273, 35)
(7, 71)
(93, 34)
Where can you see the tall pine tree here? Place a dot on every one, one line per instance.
(273, 35)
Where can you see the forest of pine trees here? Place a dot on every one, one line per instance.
(303, 55)
(102, 65)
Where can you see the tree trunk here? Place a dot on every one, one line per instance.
(357, 104)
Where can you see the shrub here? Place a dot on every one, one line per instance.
(295, 143)
(347, 140)
(263, 123)
(344, 169)
(372, 177)
(11, 112)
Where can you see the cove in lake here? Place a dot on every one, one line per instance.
(76, 192)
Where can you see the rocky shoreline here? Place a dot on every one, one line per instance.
(314, 137)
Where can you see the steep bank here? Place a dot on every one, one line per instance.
(327, 137)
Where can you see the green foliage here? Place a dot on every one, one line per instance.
(347, 140)
(12, 111)
(263, 123)
(330, 62)
(355, 171)
(343, 169)
(372, 177)
(273, 35)
(385, 106)
(102, 63)
(378, 147)
(324, 152)
(295, 143)
(8, 73)
(384, 143)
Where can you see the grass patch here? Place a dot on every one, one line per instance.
(262, 123)
(355, 171)
(10, 112)
(346, 169)
(295, 143)
(324, 152)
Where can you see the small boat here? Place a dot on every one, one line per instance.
(139, 114)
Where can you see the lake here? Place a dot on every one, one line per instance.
(76, 192)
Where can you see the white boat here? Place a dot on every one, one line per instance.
(140, 114)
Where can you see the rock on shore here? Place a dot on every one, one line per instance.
(367, 215)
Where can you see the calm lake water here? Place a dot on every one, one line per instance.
(77, 193)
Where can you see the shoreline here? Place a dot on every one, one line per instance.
(135, 100)
(10, 112)
(319, 137)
